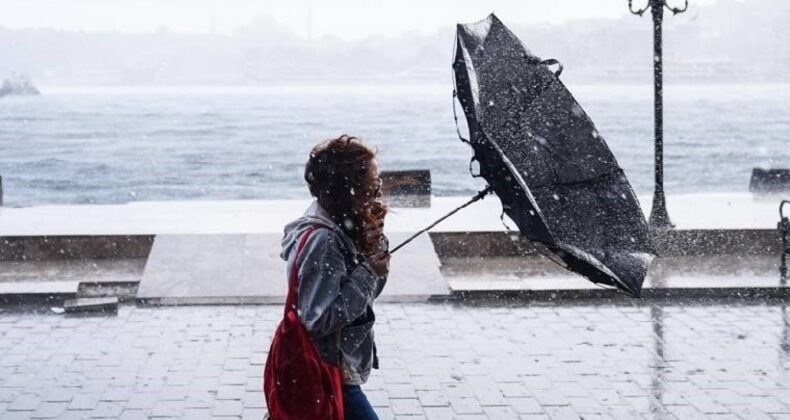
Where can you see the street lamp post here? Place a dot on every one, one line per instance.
(659, 218)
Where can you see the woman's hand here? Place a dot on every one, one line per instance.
(380, 263)
(376, 232)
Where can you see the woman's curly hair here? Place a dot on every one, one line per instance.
(338, 176)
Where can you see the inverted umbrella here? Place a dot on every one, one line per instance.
(541, 154)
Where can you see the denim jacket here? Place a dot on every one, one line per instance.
(337, 287)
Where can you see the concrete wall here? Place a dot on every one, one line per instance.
(48, 248)
(709, 242)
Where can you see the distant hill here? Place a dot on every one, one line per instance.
(18, 85)
(744, 41)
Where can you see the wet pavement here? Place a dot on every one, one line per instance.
(659, 360)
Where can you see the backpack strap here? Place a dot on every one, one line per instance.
(292, 300)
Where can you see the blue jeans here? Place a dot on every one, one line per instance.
(356, 404)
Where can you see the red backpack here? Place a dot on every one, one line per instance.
(297, 383)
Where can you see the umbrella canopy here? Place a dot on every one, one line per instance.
(538, 149)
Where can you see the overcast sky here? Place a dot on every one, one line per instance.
(346, 19)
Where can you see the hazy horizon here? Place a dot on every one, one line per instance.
(608, 45)
(350, 20)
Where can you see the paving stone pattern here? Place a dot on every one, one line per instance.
(439, 361)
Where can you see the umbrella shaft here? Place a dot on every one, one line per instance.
(477, 197)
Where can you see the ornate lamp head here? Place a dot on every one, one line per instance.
(652, 4)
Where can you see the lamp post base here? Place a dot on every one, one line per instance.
(659, 218)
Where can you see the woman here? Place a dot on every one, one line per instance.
(344, 263)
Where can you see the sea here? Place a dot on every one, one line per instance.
(101, 145)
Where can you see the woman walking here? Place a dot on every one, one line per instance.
(338, 253)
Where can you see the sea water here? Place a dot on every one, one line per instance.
(114, 145)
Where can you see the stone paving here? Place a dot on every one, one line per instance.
(439, 361)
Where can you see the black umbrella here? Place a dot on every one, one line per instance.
(543, 157)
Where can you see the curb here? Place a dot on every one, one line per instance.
(601, 295)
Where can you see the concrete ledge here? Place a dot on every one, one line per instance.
(83, 305)
(247, 269)
(410, 188)
(49, 292)
(73, 247)
(124, 291)
(689, 211)
(690, 242)
(210, 301)
(269, 300)
(770, 180)
(599, 294)
(481, 244)
(744, 295)
(707, 242)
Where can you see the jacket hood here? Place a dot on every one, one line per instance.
(314, 215)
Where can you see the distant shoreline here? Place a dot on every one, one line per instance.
(362, 88)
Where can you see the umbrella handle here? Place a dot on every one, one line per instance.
(551, 62)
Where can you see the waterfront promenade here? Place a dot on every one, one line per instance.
(227, 251)
(480, 351)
